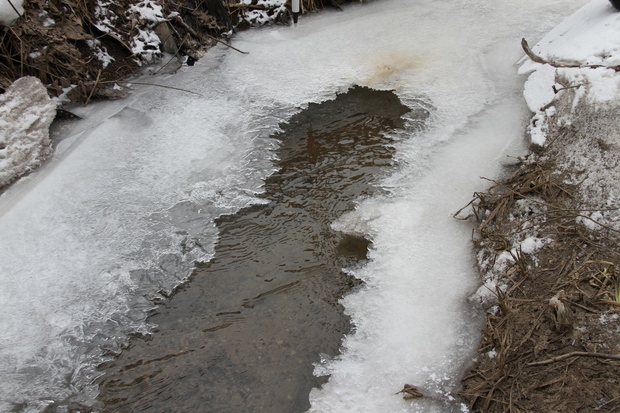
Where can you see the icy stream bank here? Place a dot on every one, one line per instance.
(128, 203)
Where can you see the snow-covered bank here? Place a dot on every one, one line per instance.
(128, 204)
(81, 50)
(584, 100)
(587, 101)
(548, 237)
(583, 54)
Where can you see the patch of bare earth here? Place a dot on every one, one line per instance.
(547, 244)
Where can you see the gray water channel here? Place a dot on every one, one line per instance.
(243, 334)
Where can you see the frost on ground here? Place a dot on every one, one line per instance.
(549, 234)
(26, 112)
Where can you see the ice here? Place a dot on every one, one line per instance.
(412, 324)
(122, 211)
(106, 222)
(8, 13)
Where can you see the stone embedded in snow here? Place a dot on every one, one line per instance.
(26, 113)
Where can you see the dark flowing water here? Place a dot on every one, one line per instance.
(243, 334)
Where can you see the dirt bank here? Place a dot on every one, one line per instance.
(82, 48)
(547, 246)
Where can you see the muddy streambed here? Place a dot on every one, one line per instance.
(244, 333)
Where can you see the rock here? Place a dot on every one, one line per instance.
(26, 113)
(168, 45)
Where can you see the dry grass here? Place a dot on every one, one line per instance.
(551, 352)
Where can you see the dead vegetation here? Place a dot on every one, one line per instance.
(550, 342)
(66, 43)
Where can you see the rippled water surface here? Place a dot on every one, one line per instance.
(244, 333)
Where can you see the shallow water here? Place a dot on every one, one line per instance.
(244, 333)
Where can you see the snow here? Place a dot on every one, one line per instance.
(100, 52)
(531, 244)
(590, 37)
(7, 12)
(26, 112)
(146, 45)
(587, 101)
(537, 89)
(130, 187)
(148, 10)
(144, 15)
(48, 21)
(273, 9)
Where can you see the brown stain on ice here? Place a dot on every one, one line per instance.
(389, 66)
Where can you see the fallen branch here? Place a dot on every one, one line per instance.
(167, 87)
(187, 27)
(158, 85)
(226, 44)
(573, 354)
(557, 90)
(538, 59)
(146, 84)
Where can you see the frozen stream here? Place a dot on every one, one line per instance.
(128, 203)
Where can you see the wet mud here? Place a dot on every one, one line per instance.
(243, 334)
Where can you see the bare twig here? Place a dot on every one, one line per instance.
(573, 354)
(226, 44)
(14, 8)
(155, 84)
(187, 27)
(92, 90)
(557, 90)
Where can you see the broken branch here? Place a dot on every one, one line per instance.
(538, 59)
